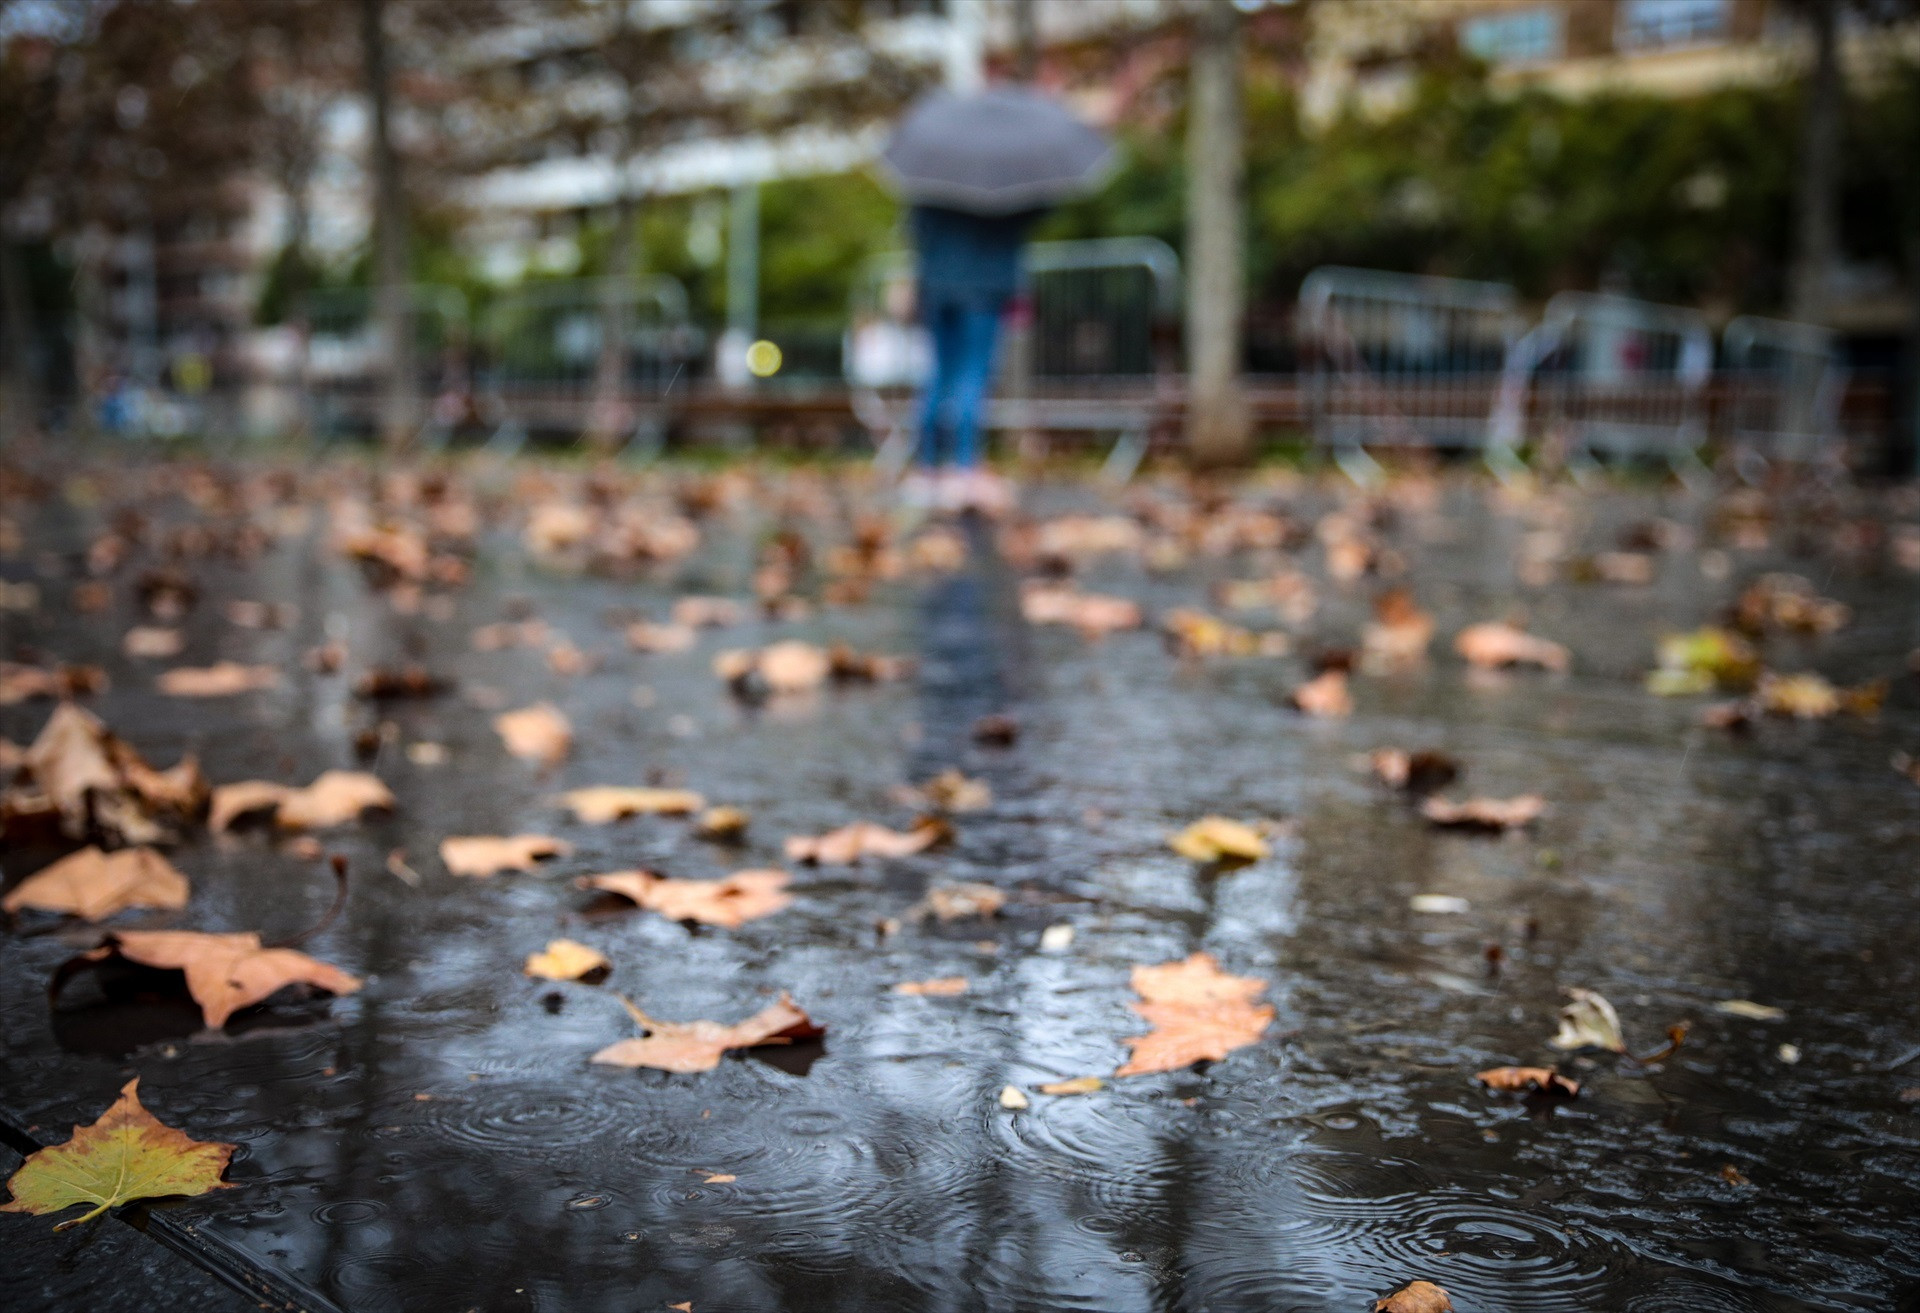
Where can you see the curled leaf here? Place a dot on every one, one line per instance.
(607, 802)
(536, 733)
(958, 901)
(689, 1046)
(219, 680)
(1492, 814)
(850, 843)
(484, 855)
(566, 959)
(1528, 1080)
(227, 972)
(1078, 1085)
(1416, 772)
(942, 987)
(1588, 1021)
(741, 897)
(1218, 838)
(94, 885)
(1495, 644)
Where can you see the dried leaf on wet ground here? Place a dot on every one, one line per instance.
(1415, 1297)
(1197, 1012)
(722, 824)
(20, 683)
(1743, 1007)
(537, 733)
(1490, 814)
(488, 854)
(336, 797)
(1588, 1021)
(1416, 772)
(227, 972)
(127, 1154)
(98, 786)
(219, 680)
(1076, 1085)
(1093, 614)
(958, 901)
(567, 959)
(1495, 644)
(94, 885)
(950, 791)
(741, 897)
(690, 1046)
(851, 843)
(1325, 695)
(1220, 838)
(1528, 1080)
(939, 987)
(790, 666)
(608, 802)
(153, 642)
(1399, 635)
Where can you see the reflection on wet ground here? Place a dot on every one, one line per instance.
(439, 1140)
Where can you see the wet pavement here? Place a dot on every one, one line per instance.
(439, 1140)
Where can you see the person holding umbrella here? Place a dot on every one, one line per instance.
(978, 169)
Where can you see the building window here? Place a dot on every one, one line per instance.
(1518, 36)
(1655, 24)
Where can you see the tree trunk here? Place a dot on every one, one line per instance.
(609, 417)
(1817, 208)
(20, 407)
(1218, 425)
(1026, 40)
(399, 399)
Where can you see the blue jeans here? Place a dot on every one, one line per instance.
(965, 337)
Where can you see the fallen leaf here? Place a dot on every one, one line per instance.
(1485, 813)
(382, 684)
(231, 802)
(565, 959)
(128, 1154)
(1701, 661)
(1013, 1098)
(1093, 614)
(19, 683)
(1495, 644)
(219, 680)
(153, 641)
(1416, 1297)
(996, 730)
(1804, 697)
(942, 987)
(786, 667)
(846, 666)
(484, 855)
(722, 824)
(536, 733)
(1215, 838)
(1416, 772)
(1399, 635)
(1788, 601)
(1196, 1011)
(1733, 1175)
(741, 897)
(950, 791)
(1324, 695)
(1741, 1007)
(957, 902)
(689, 1046)
(608, 802)
(1528, 1080)
(93, 885)
(227, 972)
(1439, 904)
(719, 1178)
(1078, 1085)
(100, 786)
(850, 843)
(644, 637)
(336, 797)
(1588, 1021)
(708, 612)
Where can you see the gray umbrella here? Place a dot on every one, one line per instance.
(996, 151)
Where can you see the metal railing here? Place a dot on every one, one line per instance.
(346, 358)
(1608, 375)
(1785, 382)
(1400, 359)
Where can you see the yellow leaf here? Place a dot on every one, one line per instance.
(565, 959)
(1213, 837)
(124, 1156)
(610, 802)
(1078, 1085)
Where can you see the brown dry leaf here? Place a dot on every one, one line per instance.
(536, 733)
(611, 802)
(941, 987)
(336, 797)
(741, 897)
(19, 683)
(231, 802)
(228, 972)
(1416, 772)
(1494, 644)
(1197, 1012)
(996, 730)
(1077, 1085)
(958, 901)
(1528, 1080)
(850, 843)
(688, 1046)
(708, 612)
(1803, 697)
(127, 1155)
(1093, 614)
(846, 666)
(1214, 838)
(645, 637)
(1588, 1021)
(386, 684)
(96, 783)
(93, 885)
(790, 666)
(153, 641)
(504, 634)
(1416, 1297)
(219, 680)
(1400, 633)
(1192, 633)
(950, 791)
(565, 959)
(1788, 601)
(488, 854)
(1485, 813)
(722, 824)
(1324, 695)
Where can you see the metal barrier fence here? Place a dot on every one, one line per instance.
(1785, 384)
(540, 352)
(1608, 375)
(1400, 359)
